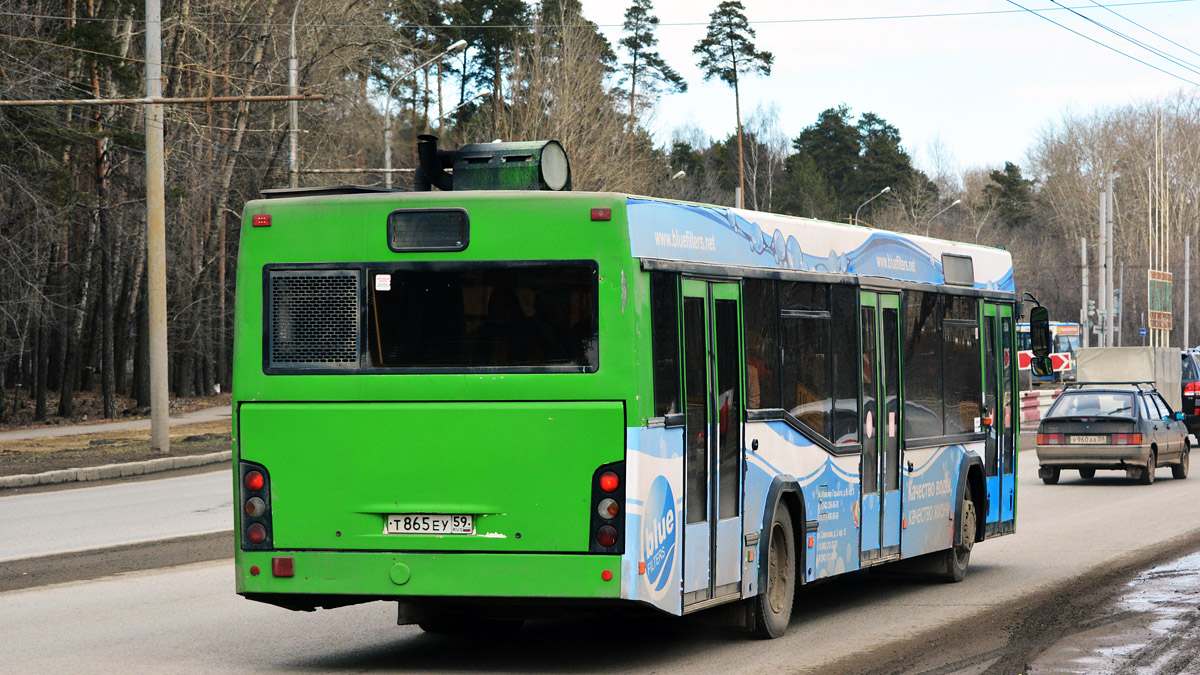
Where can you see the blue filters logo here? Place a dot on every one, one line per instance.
(659, 534)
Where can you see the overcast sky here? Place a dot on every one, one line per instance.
(982, 85)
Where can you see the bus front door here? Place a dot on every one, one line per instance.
(1000, 456)
(713, 452)
(882, 425)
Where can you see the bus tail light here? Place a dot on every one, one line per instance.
(255, 499)
(606, 536)
(1126, 439)
(1049, 439)
(608, 507)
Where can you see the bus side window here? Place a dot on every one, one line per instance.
(664, 329)
(761, 312)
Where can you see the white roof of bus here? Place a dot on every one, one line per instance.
(726, 236)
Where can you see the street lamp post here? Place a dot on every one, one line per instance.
(458, 107)
(441, 119)
(880, 193)
(387, 110)
(953, 204)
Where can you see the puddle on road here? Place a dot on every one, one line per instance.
(1154, 627)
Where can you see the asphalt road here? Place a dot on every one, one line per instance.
(71, 520)
(187, 618)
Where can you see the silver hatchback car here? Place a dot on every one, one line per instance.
(1124, 428)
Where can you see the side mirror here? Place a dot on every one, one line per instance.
(1041, 366)
(1039, 331)
(1179, 416)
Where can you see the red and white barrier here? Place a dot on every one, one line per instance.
(1036, 402)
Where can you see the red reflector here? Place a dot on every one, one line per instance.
(254, 570)
(606, 575)
(602, 213)
(254, 481)
(256, 533)
(261, 220)
(283, 567)
(609, 481)
(606, 536)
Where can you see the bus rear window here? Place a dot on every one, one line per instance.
(515, 316)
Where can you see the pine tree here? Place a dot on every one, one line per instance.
(492, 28)
(726, 52)
(645, 65)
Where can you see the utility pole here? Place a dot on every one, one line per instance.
(1101, 296)
(1187, 290)
(1121, 316)
(1083, 310)
(293, 109)
(1110, 320)
(156, 238)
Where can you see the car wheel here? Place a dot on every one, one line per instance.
(773, 605)
(1050, 476)
(1180, 470)
(958, 557)
(1147, 476)
(1087, 474)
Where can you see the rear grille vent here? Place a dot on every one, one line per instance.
(314, 319)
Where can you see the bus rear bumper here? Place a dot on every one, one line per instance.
(395, 576)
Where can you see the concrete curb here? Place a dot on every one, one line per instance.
(113, 470)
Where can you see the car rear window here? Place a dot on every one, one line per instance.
(1093, 404)
(1189, 369)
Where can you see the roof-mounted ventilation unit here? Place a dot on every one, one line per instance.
(530, 165)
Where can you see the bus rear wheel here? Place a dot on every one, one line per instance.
(958, 557)
(773, 605)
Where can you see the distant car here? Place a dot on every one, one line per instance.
(1120, 428)
(1191, 389)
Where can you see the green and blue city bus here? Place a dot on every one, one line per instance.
(493, 404)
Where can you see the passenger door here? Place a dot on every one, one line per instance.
(882, 424)
(1000, 456)
(713, 459)
(1170, 442)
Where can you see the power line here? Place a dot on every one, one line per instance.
(885, 17)
(1108, 47)
(1122, 16)
(1153, 50)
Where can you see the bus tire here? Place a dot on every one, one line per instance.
(956, 558)
(773, 604)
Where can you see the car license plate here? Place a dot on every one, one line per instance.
(430, 523)
(1095, 440)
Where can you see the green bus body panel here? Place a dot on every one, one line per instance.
(435, 574)
(523, 469)
(510, 225)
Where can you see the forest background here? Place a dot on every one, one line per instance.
(72, 178)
